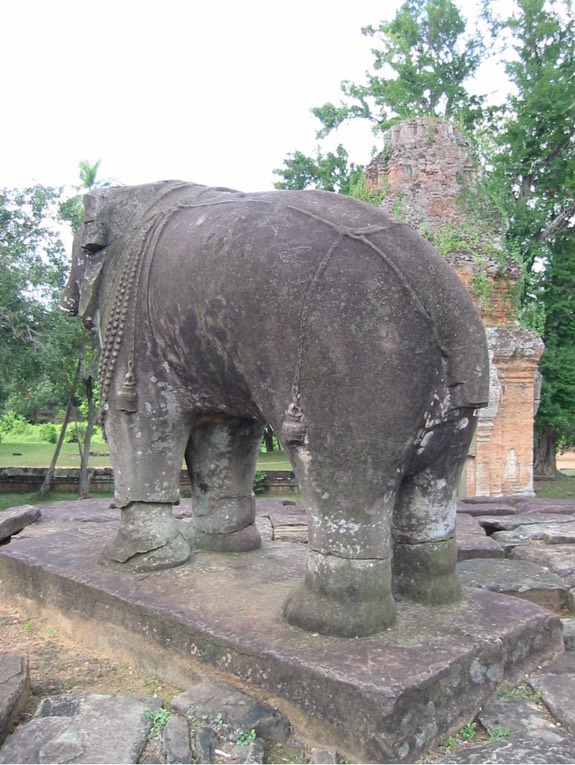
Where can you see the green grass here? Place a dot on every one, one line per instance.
(40, 455)
(560, 488)
(15, 499)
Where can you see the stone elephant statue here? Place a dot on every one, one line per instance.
(220, 311)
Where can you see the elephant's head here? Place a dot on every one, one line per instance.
(80, 296)
(111, 217)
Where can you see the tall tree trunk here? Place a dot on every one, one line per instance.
(45, 488)
(544, 457)
(269, 438)
(85, 474)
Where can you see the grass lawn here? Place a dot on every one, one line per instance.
(40, 455)
(560, 488)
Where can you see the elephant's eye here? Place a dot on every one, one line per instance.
(94, 237)
(91, 248)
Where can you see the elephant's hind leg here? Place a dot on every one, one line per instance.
(221, 457)
(347, 586)
(425, 554)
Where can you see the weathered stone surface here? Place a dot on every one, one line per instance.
(323, 756)
(543, 504)
(550, 533)
(516, 577)
(516, 714)
(61, 516)
(325, 324)
(83, 728)
(288, 522)
(548, 747)
(569, 634)
(562, 665)
(560, 558)
(472, 541)
(176, 739)
(240, 711)
(557, 691)
(484, 506)
(206, 742)
(14, 688)
(509, 522)
(13, 521)
(29, 742)
(250, 754)
(363, 696)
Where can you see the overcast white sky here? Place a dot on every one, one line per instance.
(210, 91)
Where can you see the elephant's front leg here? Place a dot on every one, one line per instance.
(221, 457)
(147, 455)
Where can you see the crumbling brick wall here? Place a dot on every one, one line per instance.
(427, 177)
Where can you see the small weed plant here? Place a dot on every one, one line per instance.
(151, 684)
(158, 718)
(468, 731)
(499, 733)
(246, 737)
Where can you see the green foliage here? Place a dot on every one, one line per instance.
(499, 733)
(424, 57)
(329, 172)
(359, 190)
(534, 140)
(38, 344)
(259, 480)
(72, 209)
(159, 719)
(33, 338)
(448, 743)
(532, 156)
(246, 737)
(468, 731)
(47, 433)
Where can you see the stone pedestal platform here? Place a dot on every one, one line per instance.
(382, 699)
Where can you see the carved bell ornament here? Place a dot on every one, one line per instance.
(127, 398)
(294, 428)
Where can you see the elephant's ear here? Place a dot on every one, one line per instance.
(94, 235)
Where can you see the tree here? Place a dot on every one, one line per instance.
(86, 351)
(72, 209)
(555, 421)
(534, 164)
(330, 172)
(425, 57)
(33, 337)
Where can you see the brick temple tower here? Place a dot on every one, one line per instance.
(427, 178)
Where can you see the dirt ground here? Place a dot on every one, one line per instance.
(59, 665)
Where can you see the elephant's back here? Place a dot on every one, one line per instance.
(269, 281)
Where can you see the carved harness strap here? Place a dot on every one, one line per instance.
(148, 228)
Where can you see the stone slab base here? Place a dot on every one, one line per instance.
(382, 699)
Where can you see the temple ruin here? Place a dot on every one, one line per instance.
(425, 176)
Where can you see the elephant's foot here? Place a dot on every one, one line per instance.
(147, 540)
(425, 572)
(242, 540)
(343, 597)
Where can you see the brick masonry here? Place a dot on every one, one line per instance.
(428, 179)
